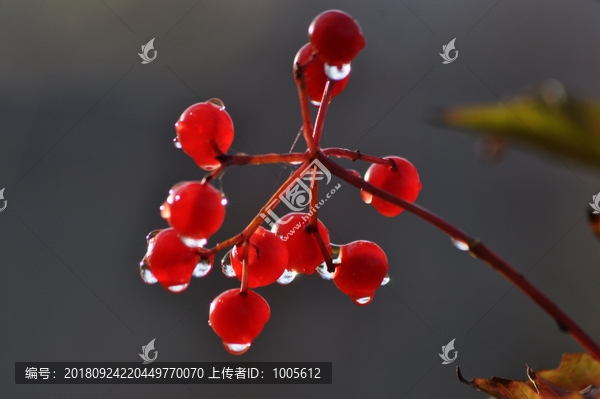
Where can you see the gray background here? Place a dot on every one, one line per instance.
(86, 159)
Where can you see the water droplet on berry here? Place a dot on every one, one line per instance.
(335, 73)
(323, 272)
(461, 245)
(335, 253)
(287, 277)
(202, 268)
(386, 279)
(151, 235)
(217, 102)
(226, 265)
(178, 288)
(192, 242)
(237, 349)
(176, 143)
(146, 274)
(362, 301)
(165, 211)
(315, 103)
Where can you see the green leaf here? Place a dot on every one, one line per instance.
(547, 118)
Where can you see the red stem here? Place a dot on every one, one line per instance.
(244, 287)
(327, 93)
(356, 155)
(258, 219)
(477, 249)
(306, 122)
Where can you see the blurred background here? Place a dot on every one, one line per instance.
(86, 159)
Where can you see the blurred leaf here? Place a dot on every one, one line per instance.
(577, 377)
(546, 117)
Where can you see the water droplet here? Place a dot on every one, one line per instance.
(178, 288)
(237, 349)
(461, 245)
(287, 277)
(323, 272)
(315, 103)
(386, 279)
(224, 201)
(335, 73)
(335, 253)
(146, 274)
(226, 265)
(192, 242)
(176, 142)
(151, 235)
(363, 301)
(165, 211)
(217, 102)
(202, 268)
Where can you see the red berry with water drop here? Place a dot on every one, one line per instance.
(362, 268)
(401, 181)
(205, 131)
(314, 75)
(238, 318)
(336, 37)
(267, 258)
(196, 210)
(304, 251)
(170, 261)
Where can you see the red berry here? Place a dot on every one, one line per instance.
(336, 37)
(402, 181)
(361, 270)
(267, 258)
(205, 131)
(238, 318)
(170, 261)
(314, 75)
(195, 210)
(304, 251)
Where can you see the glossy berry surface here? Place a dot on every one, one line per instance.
(267, 258)
(304, 252)
(204, 131)
(195, 210)
(403, 182)
(238, 319)
(314, 75)
(361, 270)
(336, 37)
(170, 261)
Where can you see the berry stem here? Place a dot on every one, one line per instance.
(291, 158)
(316, 135)
(324, 251)
(356, 155)
(478, 250)
(258, 219)
(244, 287)
(314, 199)
(304, 106)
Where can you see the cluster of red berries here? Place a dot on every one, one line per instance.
(195, 210)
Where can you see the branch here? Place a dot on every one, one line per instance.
(478, 250)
